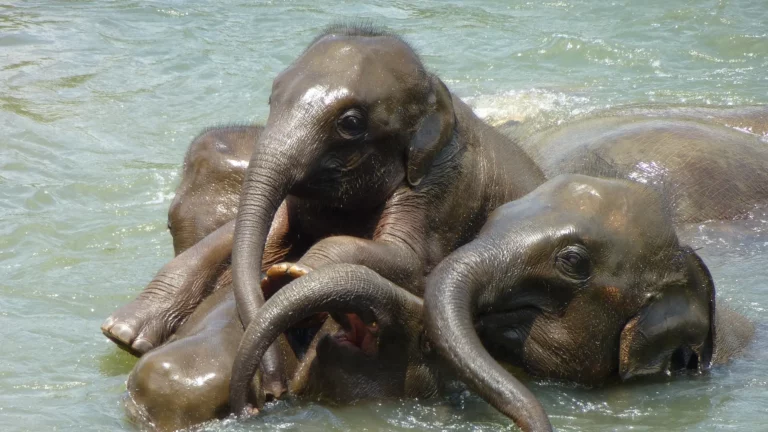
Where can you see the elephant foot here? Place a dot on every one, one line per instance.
(141, 325)
(280, 275)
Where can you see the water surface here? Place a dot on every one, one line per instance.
(98, 101)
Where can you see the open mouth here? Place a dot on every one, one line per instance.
(356, 334)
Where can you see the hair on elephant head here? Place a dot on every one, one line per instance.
(353, 118)
(582, 279)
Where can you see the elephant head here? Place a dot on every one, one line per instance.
(353, 118)
(374, 352)
(389, 359)
(208, 194)
(582, 279)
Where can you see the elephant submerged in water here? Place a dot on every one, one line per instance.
(185, 380)
(212, 334)
(707, 170)
(713, 171)
(583, 279)
(372, 158)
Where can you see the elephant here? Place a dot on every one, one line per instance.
(380, 351)
(326, 211)
(370, 160)
(186, 381)
(707, 170)
(372, 347)
(201, 223)
(583, 279)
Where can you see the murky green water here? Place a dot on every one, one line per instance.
(98, 101)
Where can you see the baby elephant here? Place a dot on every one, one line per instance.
(583, 279)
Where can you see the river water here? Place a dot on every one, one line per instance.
(98, 101)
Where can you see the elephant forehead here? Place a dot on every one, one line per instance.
(618, 204)
(376, 66)
(324, 94)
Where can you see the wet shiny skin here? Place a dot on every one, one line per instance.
(98, 102)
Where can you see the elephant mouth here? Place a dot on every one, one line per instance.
(355, 335)
(504, 333)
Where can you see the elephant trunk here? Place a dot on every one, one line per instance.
(268, 181)
(266, 185)
(451, 296)
(338, 288)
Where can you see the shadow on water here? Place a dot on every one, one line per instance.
(116, 362)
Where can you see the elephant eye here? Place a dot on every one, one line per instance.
(573, 262)
(352, 124)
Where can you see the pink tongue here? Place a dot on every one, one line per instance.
(361, 336)
(357, 330)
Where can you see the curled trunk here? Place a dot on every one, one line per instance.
(452, 293)
(339, 288)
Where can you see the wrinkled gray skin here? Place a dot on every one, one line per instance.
(374, 162)
(705, 168)
(583, 279)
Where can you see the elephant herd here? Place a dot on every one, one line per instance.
(376, 239)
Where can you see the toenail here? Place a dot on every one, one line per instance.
(142, 345)
(123, 333)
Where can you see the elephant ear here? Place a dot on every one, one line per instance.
(676, 329)
(432, 134)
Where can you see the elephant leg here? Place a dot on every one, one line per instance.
(395, 261)
(173, 294)
(180, 286)
(186, 381)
